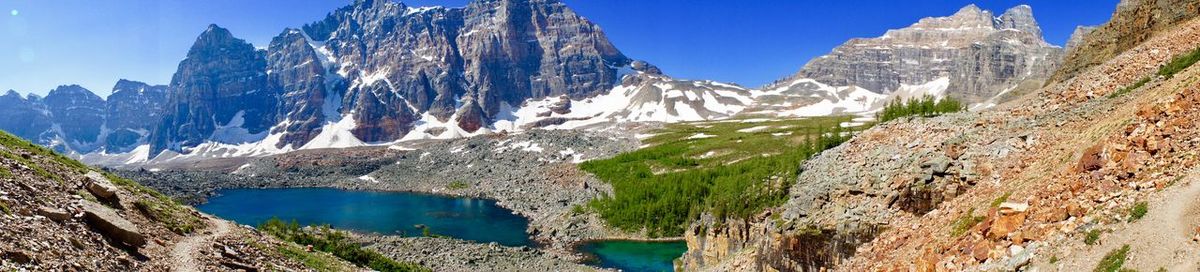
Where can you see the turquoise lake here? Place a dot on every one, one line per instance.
(635, 256)
(394, 213)
(398, 213)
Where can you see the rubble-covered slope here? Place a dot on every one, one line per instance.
(59, 215)
(1004, 189)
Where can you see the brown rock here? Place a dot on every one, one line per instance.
(17, 256)
(1075, 210)
(1092, 160)
(1009, 218)
(112, 225)
(981, 249)
(58, 215)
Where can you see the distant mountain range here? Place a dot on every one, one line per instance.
(379, 72)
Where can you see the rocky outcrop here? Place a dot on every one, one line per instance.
(1134, 22)
(107, 221)
(982, 55)
(221, 84)
(1077, 37)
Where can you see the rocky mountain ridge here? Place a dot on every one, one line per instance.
(983, 56)
(380, 72)
(73, 119)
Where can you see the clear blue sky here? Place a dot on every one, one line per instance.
(44, 44)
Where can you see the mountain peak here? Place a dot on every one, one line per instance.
(1020, 18)
(969, 9)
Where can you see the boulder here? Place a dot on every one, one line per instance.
(1010, 217)
(58, 215)
(1092, 159)
(112, 225)
(939, 165)
(100, 186)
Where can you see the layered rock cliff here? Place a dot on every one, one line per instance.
(982, 56)
(222, 84)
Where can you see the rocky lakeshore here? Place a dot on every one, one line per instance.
(531, 173)
(448, 254)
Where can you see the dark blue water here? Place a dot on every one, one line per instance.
(635, 256)
(392, 213)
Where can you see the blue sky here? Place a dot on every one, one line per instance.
(44, 44)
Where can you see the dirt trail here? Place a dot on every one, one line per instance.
(1162, 239)
(184, 254)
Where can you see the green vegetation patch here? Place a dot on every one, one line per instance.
(4, 208)
(926, 106)
(1092, 237)
(12, 141)
(1000, 200)
(1113, 261)
(337, 243)
(457, 185)
(37, 169)
(1138, 211)
(1179, 63)
(171, 214)
(1130, 88)
(730, 168)
(964, 223)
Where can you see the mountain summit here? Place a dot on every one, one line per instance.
(982, 56)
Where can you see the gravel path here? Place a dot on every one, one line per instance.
(184, 254)
(1161, 239)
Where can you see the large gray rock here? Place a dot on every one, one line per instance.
(101, 186)
(112, 225)
(982, 55)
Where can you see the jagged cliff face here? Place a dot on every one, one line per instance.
(377, 69)
(982, 55)
(78, 115)
(73, 119)
(1134, 22)
(132, 111)
(460, 63)
(221, 84)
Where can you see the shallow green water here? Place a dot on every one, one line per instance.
(635, 256)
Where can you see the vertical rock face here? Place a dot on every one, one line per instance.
(435, 60)
(982, 55)
(222, 78)
(78, 114)
(1133, 22)
(26, 118)
(1077, 37)
(132, 111)
(307, 97)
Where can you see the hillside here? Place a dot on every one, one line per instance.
(58, 214)
(1056, 180)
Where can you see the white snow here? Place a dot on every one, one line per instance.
(336, 135)
(368, 178)
(753, 129)
(700, 136)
